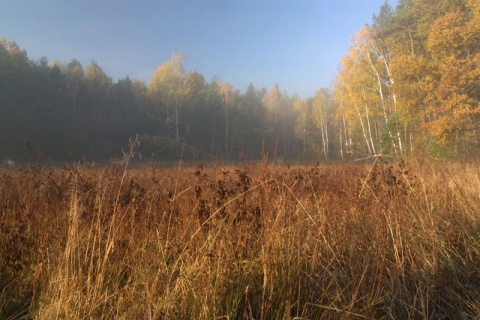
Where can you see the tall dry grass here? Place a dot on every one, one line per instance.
(381, 241)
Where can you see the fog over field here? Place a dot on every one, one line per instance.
(238, 80)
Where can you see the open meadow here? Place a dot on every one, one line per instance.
(397, 240)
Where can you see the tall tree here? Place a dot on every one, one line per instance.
(271, 102)
(454, 46)
(322, 116)
(195, 90)
(250, 128)
(356, 87)
(74, 79)
(167, 87)
(305, 129)
(98, 85)
(227, 94)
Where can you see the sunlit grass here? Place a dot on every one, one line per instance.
(381, 241)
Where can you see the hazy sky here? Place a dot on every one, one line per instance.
(296, 44)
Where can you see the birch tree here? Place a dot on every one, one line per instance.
(321, 113)
(167, 89)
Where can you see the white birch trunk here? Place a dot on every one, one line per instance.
(364, 132)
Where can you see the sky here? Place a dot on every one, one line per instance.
(296, 44)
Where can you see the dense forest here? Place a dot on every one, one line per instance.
(409, 85)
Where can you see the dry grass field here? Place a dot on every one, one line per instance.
(371, 241)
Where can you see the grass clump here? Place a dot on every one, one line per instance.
(381, 241)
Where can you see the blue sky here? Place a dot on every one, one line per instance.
(296, 44)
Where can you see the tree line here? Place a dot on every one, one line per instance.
(67, 112)
(409, 85)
